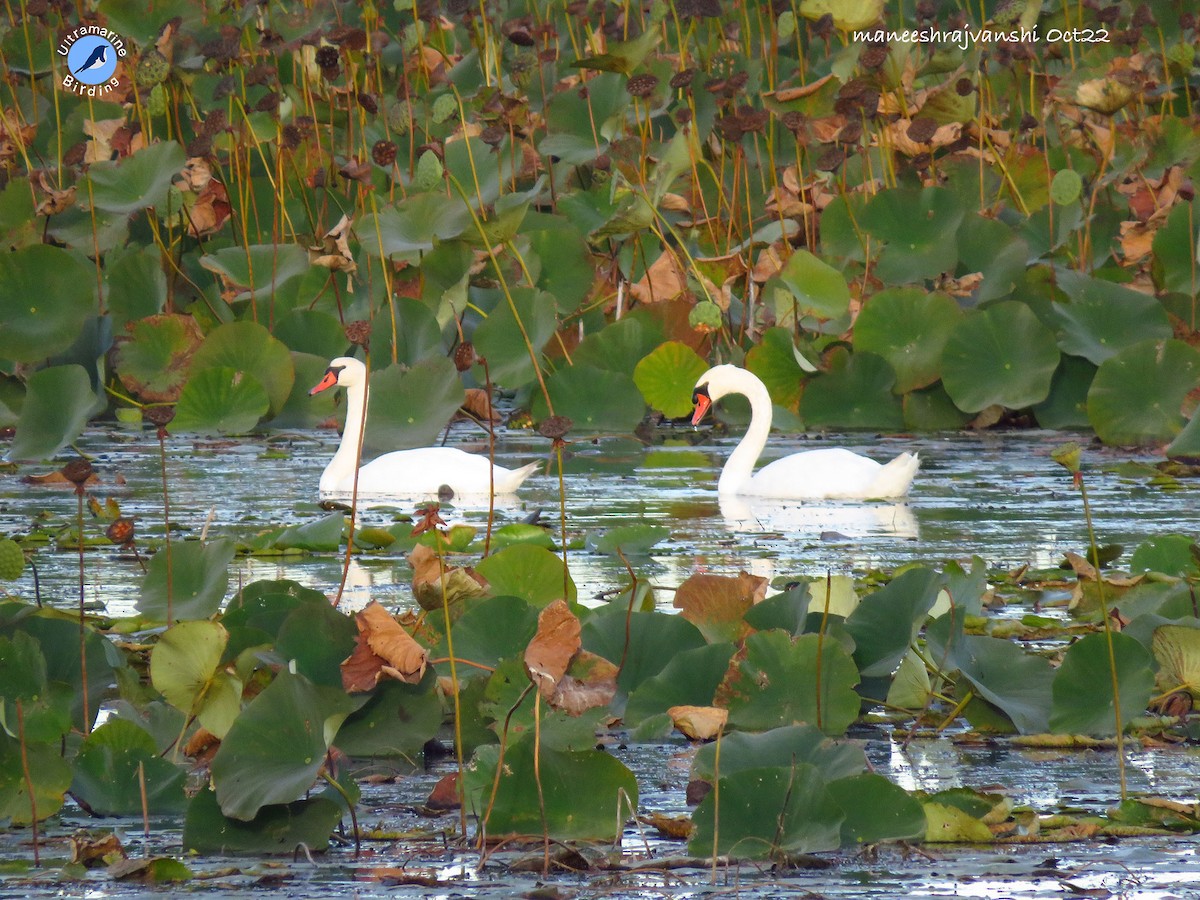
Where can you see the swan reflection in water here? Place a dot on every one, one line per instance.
(853, 520)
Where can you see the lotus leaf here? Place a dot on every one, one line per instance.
(876, 810)
(775, 362)
(817, 289)
(137, 286)
(59, 641)
(690, 678)
(276, 829)
(643, 654)
(258, 270)
(185, 668)
(194, 583)
(919, 228)
(248, 348)
(593, 399)
(584, 792)
(781, 747)
(404, 231)
(909, 328)
(1103, 318)
(410, 408)
(716, 603)
(950, 825)
(666, 378)
(491, 630)
(57, 404)
(619, 346)
(45, 711)
(322, 535)
(931, 409)
(118, 767)
(886, 622)
(631, 540)
(266, 605)
(139, 181)
(1138, 394)
(992, 249)
(1002, 356)
(397, 720)
(532, 573)
(1175, 252)
(1066, 406)
(313, 332)
(787, 610)
(1083, 686)
(1005, 675)
(1170, 554)
(154, 362)
(767, 812)
(567, 271)
(857, 394)
(221, 400)
(1177, 651)
(276, 747)
(48, 771)
(315, 639)
(502, 336)
(783, 681)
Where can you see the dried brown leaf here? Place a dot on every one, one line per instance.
(430, 579)
(549, 653)
(382, 648)
(786, 95)
(663, 280)
(718, 602)
(699, 723)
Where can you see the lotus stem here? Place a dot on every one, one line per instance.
(162, 458)
(33, 816)
(458, 743)
(83, 673)
(537, 778)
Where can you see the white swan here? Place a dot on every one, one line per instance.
(832, 474)
(403, 473)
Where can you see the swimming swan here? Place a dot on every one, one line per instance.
(831, 474)
(403, 473)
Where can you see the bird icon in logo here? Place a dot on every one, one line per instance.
(96, 59)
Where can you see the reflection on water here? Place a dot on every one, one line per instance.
(998, 496)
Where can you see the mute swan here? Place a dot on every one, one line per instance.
(831, 474)
(403, 473)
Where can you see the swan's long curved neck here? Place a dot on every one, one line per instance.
(341, 466)
(739, 468)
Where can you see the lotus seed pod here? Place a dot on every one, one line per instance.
(444, 107)
(429, 172)
(705, 316)
(152, 69)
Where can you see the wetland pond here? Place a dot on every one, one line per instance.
(997, 496)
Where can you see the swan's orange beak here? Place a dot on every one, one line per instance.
(330, 379)
(702, 401)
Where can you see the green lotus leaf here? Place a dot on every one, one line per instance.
(1084, 702)
(667, 376)
(931, 409)
(258, 270)
(582, 793)
(1175, 251)
(919, 228)
(137, 286)
(412, 226)
(501, 337)
(532, 573)
(522, 533)
(313, 332)
(593, 399)
(193, 583)
(1065, 187)
(1001, 356)
(767, 812)
(409, 408)
(787, 610)
(910, 688)
(220, 400)
(1066, 405)
(266, 605)
(247, 347)
(1138, 394)
(493, 629)
(185, 667)
(691, 678)
(780, 684)
(45, 709)
(1103, 318)
(847, 14)
(46, 295)
(276, 829)
(417, 333)
(951, 825)
(885, 623)
(321, 535)
(774, 361)
(1008, 677)
(58, 403)
(630, 540)
(816, 288)
(639, 639)
(876, 810)
(1169, 554)
(909, 328)
(994, 250)
(118, 772)
(397, 720)
(154, 363)
(58, 639)
(49, 773)
(315, 640)
(856, 394)
(781, 747)
(138, 181)
(567, 268)
(275, 748)
(620, 345)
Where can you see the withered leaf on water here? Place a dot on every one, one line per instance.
(550, 651)
(383, 648)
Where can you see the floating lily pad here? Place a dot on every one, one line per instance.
(185, 667)
(909, 328)
(691, 678)
(1002, 356)
(667, 376)
(1170, 554)
(118, 772)
(138, 181)
(919, 228)
(276, 829)
(876, 810)
(635, 640)
(322, 535)
(1138, 394)
(631, 540)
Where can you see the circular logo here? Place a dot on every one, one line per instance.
(92, 59)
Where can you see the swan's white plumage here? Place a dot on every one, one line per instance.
(404, 473)
(828, 474)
